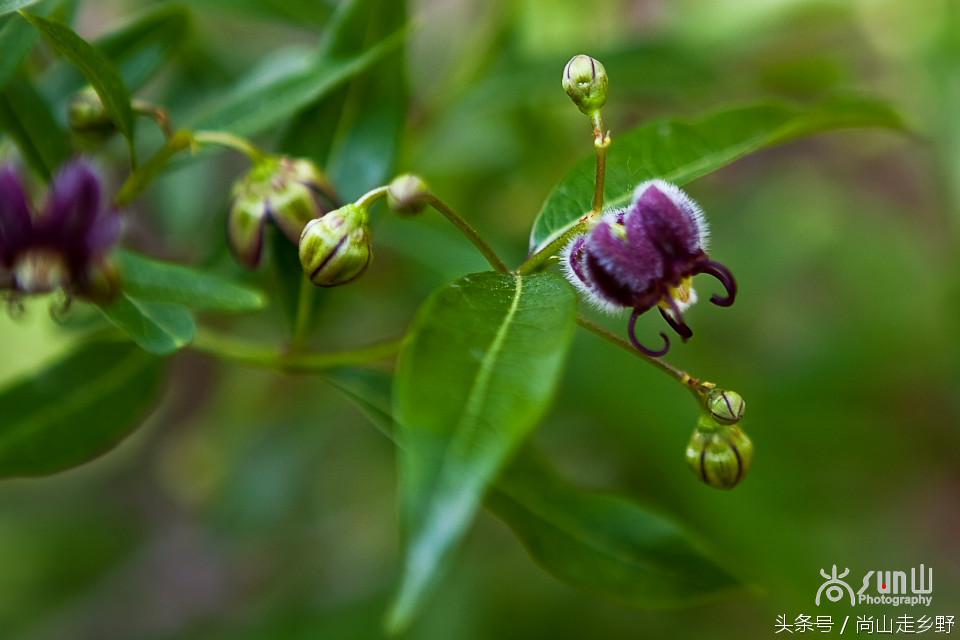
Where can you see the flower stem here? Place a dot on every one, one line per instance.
(231, 141)
(268, 357)
(155, 113)
(601, 142)
(697, 387)
(471, 234)
(301, 324)
(371, 196)
(455, 218)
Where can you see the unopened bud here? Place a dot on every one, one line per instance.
(720, 455)
(408, 195)
(585, 81)
(335, 249)
(725, 406)
(87, 115)
(289, 191)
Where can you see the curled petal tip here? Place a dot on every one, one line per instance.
(723, 274)
(632, 332)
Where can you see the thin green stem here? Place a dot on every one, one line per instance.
(155, 113)
(301, 324)
(697, 387)
(139, 180)
(601, 142)
(231, 141)
(371, 196)
(538, 260)
(460, 223)
(268, 357)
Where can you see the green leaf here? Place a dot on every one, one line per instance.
(254, 107)
(16, 41)
(27, 119)
(680, 150)
(76, 409)
(138, 49)
(9, 6)
(476, 374)
(155, 281)
(602, 542)
(159, 328)
(355, 131)
(96, 68)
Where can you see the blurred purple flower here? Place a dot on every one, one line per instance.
(646, 255)
(65, 244)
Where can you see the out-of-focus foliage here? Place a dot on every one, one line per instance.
(253, 505)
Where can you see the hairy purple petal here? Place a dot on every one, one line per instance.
(632, 263)
(672, 228)
(15, 223)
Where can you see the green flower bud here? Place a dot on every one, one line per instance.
(408, 194)
(725, 406)
(290, 192)
(585, 81)
(87, 115)
(720, 455)
(335, 249)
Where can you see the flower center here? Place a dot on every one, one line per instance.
(40, 271)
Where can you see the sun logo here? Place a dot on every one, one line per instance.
(835, 587)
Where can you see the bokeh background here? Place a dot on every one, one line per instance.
(252, 505)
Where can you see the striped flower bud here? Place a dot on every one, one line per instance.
(335, 249)
(408, 195)
(585, 81)
(290, 192)
(719, 454)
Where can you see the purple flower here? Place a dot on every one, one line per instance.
(65, 244)
(646, 255)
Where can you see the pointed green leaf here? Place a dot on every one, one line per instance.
(76, 409)
(355, 131)
(138, 49)
(257, 106)
(681, 150)
(26, 117)
(157, 327)
(155, 281)
(96, 68)
(476, 374)
(16, 40)
(600, 542)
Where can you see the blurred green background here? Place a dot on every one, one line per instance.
(258, 506)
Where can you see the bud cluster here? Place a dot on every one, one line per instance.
(290, 192)
(719, 452)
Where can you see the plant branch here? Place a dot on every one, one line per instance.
(268, 357)
(601, 142)
(471, 234)
(301, 324)
(697, 387)
(231, 141)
